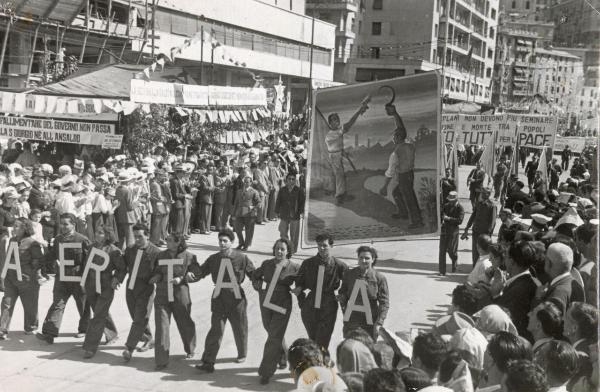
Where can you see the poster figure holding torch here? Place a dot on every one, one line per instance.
(334, 140)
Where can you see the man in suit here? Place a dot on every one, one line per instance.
(452, 217)
(160, 209)
(475, 183)
(37, 199)
(530, 170)
(518, 291)
(483, 220)
(290, 207)
(276, 176)
(178, 193)
(204, 199)
(124, 214)
(562, 289)
(262, 184)
(244, 212)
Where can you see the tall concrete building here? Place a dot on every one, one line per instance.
(397, 38)
(259, 41)
(558, 76)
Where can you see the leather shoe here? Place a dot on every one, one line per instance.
(146, 346)
(190, 355)
(112, 340)
(240, 360)
(160, 367)
(47, 338)
(126, 355)
(80, 335)
(282, 364)
(264, 380)
(88, 354)
(206, 367)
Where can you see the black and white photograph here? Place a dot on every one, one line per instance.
(299, 195)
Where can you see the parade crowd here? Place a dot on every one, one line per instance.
(524, 320)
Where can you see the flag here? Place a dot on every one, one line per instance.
(488, 163)
(543, 168)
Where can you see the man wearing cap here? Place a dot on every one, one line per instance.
(63, 290)
(483, 220)
(401, 166)
(453, 214)
(37, 198)
(334, 141)
(124, 214)
(179, 194)
(448, 184)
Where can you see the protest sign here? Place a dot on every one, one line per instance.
(55, 130)
(577, 144)
(534, 131)
(112, 142)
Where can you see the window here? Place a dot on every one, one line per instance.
(435, 30)
(488, 73)
(375, 52)
(492, 32)
(377, 4)
(376, 28)
(526, 5)
(493, 13)
(490, 53)
(359, 26)
(514, 4)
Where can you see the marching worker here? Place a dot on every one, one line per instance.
(273, 280)
(319, 309)
(453, 214)
(174, 300)
(63, 290)
(483, 220)
(140, 292)
(368, 312)
(110, 279)
(227, 268)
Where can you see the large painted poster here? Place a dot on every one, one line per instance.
(373, 161)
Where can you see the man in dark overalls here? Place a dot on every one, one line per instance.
(453, 214)
(228, 300)
(321, 275)
(66, 283)
(140, 293)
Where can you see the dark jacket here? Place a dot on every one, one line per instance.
(307, 279)
(178, 193)
(517, 297)
(483, 218)
(263, 276)
(77, 255)
(290, 203)
(206, 189)
(148, 263)
(456, 214)
(125, 211)
(563, 292)
(37, 199)
(377, 291)
(190, 264)
(116, 268)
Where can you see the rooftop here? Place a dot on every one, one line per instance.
(556, 53)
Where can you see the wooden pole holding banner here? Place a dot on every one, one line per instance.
(4, 43)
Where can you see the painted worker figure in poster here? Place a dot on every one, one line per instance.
(401, 167)
(382, 201)
(334, 140)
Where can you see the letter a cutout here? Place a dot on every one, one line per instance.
(13, 253)
(360, 286)
(267, 303)
(219, 285)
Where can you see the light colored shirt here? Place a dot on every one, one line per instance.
(402, 160)
(478, 273)
(64, 202)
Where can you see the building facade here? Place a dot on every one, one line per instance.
(259, 42)
(397, 38)
(558, 76)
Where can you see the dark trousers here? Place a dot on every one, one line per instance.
(241, 224)
(498, 184)
(406, 199)
(101, 323)
(176, 220)
(181, 310)
(319, 323)
(204, 217)
(139, 303)
(125, 232)
(474, 251)
(61, 292)
(275, 349)
(260, 208)
(448, 244)
(565, 164)
(28, 291)
(227, 308)
(218, 214)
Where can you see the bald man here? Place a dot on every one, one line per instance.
(562, 289)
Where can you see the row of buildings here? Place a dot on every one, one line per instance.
(492, 52)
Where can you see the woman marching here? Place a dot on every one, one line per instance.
(110, 279)
(374, 284)
(180, 305)
(26, 287)
(273, 280)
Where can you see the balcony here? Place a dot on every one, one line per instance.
(524, 64)
(347, 5)
(345, 33)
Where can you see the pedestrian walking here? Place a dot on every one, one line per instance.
(453, 214)
(290, 208)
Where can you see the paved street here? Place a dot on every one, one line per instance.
(418, 297)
